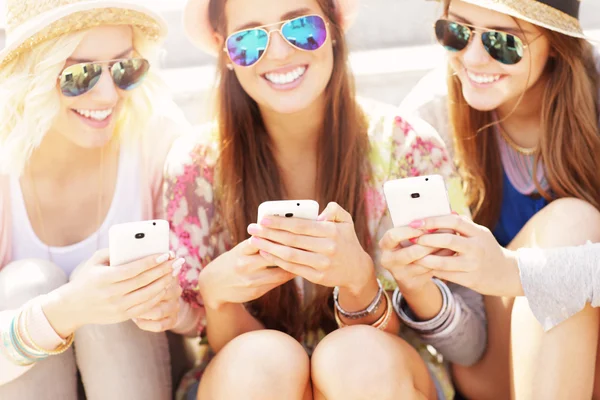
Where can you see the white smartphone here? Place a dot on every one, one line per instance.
(416, 198)
(135, 240)
(306, 209)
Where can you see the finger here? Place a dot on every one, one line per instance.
(147, 293)
(162, 310)
(145, 307)
(460, 278)
(456, 223)
(296, 256)
(454, 264)
(392, 238)
(303, 271)
(101, 257)
(458, 244)
(300, 226)
(308, 243)
(156, 326)
(135, 268)
(271, 277)
(146, 278)
(335, 213)
(403, 257)
(247, 248)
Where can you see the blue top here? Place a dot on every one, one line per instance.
(516, 210)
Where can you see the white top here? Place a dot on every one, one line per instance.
(126, 206)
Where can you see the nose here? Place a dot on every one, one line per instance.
(105, 91)
(475, 54)
(278, 49)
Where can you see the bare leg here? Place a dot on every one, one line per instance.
(55, 377)
(560, 363)
(361, 362)
(260, 365)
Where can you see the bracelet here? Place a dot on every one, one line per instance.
(381, 323)
(370, 310)
(10, 346)
(59, 350)
(19, 345)
(436, 323)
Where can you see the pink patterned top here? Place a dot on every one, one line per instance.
(399, 149)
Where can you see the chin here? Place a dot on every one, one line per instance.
(481, 102)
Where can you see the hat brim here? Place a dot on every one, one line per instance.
(78, 17)
(199, 30)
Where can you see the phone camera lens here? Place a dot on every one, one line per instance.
(415, 195)
(139, 235)
(154, 223)
(298, 204)
(426, 179)
(289, 215)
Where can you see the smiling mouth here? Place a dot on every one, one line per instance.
(287, 78)
(483, 79)
(95, 115)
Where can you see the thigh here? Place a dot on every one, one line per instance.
(135, 362)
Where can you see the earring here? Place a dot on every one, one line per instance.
(230, 67)
(334, 42)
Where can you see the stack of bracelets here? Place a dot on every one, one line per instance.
(448, 315)
(20, 346)
(445, 318)
(380, 324)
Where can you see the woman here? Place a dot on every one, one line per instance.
(77, 155)
(522, 102)
(289, 127)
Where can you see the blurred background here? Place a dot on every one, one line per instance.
(392, 48)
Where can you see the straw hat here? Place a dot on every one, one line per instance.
(556, 15)
(198, 27)
(31, 22)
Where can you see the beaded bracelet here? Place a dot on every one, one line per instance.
(9, 346)
(370, 310)
(59, 350)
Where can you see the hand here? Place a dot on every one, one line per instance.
(326, 252)
(164, 315)
(239, 276)
(101, 294)
(480, 262)
(400, 261)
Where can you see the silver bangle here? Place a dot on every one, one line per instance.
(426, 327)
(370, 310)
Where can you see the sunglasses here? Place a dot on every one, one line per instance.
(79, 79)
(501, 46)
(246, 48)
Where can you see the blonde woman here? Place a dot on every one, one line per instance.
(81, 148)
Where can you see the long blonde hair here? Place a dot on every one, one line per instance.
(29, 99)
(570, 141)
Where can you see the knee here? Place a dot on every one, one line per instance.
(572, 219)
(264, 359)
(21, 281)
(348, 358)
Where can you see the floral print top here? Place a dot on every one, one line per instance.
(399, 148)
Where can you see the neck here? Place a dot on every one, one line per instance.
(295, 141)
(521, 120)
(59, 158)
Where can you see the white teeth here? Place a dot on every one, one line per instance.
(96, 115)
(481, 78)
(283, 79)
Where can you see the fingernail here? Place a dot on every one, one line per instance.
(178, 264)
(413, 240)
(163, 258)
(264, 254)
(454, 213)
(253, 229)
(266, 222)
(417, 224)
(176, 271)
(171, 255)
(321, 218)
(134, 320)
(432, 231)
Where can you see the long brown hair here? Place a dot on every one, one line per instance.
(248, 173)
(569, 145)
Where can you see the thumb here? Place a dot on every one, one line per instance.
(335, 213)
(101, 257)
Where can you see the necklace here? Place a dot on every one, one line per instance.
(526, 151)
(99, 210)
